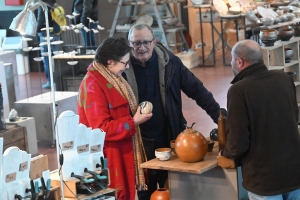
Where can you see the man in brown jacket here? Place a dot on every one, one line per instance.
(262, 127)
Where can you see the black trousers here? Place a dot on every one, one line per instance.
(154, 177)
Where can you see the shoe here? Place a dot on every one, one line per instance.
(47, 85)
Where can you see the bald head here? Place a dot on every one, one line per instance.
(249, 51)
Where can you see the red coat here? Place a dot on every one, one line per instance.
(100, 105)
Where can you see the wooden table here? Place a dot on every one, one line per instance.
(201, 180)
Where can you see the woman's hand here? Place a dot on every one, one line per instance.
(139, 118)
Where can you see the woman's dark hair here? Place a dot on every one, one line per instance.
(112, 48)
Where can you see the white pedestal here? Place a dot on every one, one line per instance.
(8, 87)
(190, 59)
(29, 123)
(10, 57)
(40, 107)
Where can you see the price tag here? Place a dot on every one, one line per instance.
(83, 148)
(96, 148)
(23, 166)
(67, 145)
(10, 177)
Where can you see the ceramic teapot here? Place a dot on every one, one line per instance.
(190, 145)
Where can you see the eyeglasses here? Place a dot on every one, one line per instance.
(125, 63)
(139, 44)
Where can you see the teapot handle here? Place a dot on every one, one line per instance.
(191, 125)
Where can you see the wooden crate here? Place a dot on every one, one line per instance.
(15, 136)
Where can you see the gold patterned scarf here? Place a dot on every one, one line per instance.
(125, 90)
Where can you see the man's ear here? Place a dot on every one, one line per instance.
(155, 41)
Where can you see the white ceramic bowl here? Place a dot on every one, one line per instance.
(163, 153)
(267, 21)
(172, 21)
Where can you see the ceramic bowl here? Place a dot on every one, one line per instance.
(268, 21)
(285, 34)
(288, 53)
(163, 153)
(290, 16)
(284, 8)
(297, 13)
(268, 34)
(268, 42)
(277, 20)
(210, 145)
(292, 75)
(283, 18)
(172, 21)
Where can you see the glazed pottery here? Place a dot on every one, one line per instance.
(268, 21)
(160, 194)
(222, 130)
(268, 37)
(190, 145)
(163, 153)
(214, 134)
(288, 54)
(210, 145)
(285, 34)
(146, 107)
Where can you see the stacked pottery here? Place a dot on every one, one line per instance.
(268, 37)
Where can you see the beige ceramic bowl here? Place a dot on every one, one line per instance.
(163, 153)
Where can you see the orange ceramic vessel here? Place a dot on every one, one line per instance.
(160, 194)
(190, 145)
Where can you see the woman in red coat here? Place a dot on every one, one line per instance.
(106, 101)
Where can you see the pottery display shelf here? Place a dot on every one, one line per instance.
(201, 180)
(65, 70)
(274, 59)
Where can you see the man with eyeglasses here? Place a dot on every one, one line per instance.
(262, 127)
(158, 76)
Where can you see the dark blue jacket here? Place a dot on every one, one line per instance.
(175, 77)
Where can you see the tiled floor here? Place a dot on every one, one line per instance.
(216, 79)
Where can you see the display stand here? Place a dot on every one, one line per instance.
(8, 87)
(274, 59)
(201, 180)
(228, 19)
(29, 123)
(39, 107)
(213, 28)
(162, 30)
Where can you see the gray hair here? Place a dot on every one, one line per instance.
(248, 51)
(139, 27)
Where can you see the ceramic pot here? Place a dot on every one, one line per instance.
(190, 145)
(160, 194)
(288, 54)
(285, 34)
(146, 107)
(268, 37)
